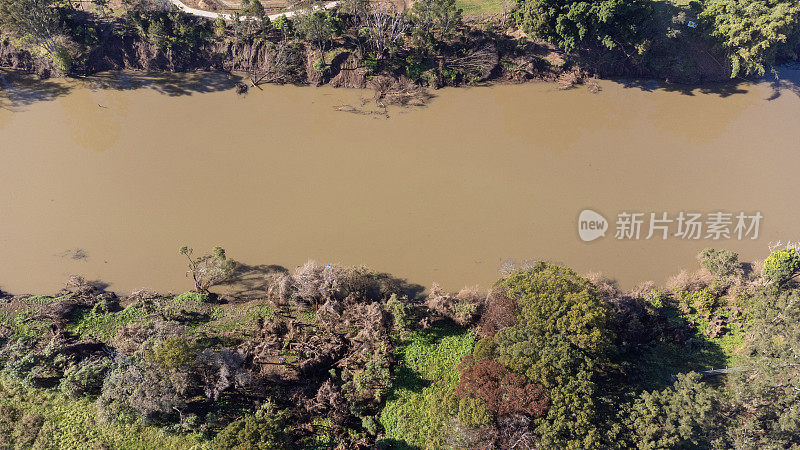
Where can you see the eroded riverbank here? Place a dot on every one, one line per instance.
(107, 177)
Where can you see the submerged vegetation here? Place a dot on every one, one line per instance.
(335, 357)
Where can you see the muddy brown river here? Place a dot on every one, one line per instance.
(106, 177)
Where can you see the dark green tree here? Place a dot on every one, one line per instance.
(755, 32)
(684, 415)
(561, 341)
(573, 24)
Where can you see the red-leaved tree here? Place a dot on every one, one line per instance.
(502, 391)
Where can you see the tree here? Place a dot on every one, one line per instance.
(501, 391)
(35, 22)
(572, 24)
(253, 8)
(256, 432)
(562, 341)
(385, 27)
(684, 415)
(208, 270)
(320, 27)
(755, 32)
(148, 391)
(781, 265)
(722, 263)
(766, 388)
(434, 19)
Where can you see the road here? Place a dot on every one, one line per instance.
(213, 15)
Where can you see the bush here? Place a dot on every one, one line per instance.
(781, 266)
(85, 378)
(261, 431)
(472, 412)
(722, 263)
(173, 352)
(143, 390)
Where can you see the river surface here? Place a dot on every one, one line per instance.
(107, 177)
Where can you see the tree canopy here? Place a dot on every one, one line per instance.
(755, 32)
(571, 24)
(561, 341)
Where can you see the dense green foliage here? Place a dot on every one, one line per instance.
(781, 265)
(573, 24)
(755, 32)
(561, 341)
(422, 401)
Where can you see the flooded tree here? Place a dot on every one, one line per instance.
(208, 270)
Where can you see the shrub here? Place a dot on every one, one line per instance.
(484, 347)
(501, 391)
(472, 412)
(261, 431)
(173, 352)
(85, 378)
(500, 312)
(146, 390)
(401, 313)
(721, 263)
(781, 266)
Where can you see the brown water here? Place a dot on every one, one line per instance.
(108, 177)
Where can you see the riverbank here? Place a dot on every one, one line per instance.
(344, 53)
(338, 357)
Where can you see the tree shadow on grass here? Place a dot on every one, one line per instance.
(654, 367)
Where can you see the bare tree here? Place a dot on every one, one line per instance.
(475, 63)
(385, 26)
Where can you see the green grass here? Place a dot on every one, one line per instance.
(483, 7)
(72, 423)
(422, 400)
(104, 326)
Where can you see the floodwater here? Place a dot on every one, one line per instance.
(106, 177)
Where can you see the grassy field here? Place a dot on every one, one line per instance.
(483, 7)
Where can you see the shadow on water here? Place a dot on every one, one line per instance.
(250, 282)
(19, 89)
(171, 84)
(786, 79)
(725, 89)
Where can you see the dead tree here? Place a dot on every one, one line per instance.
(385, 26)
